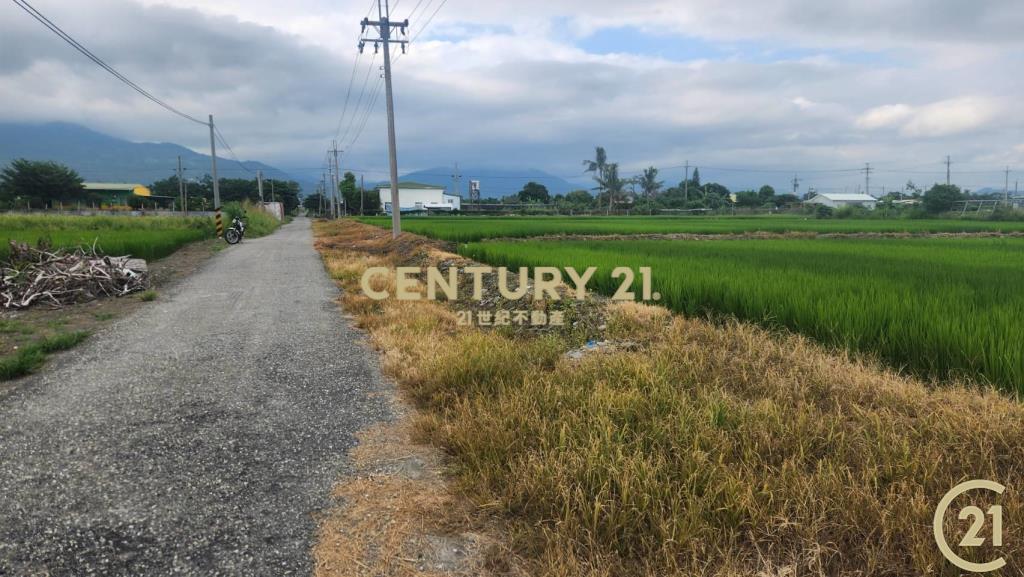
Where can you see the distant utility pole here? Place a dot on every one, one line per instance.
(216, 182)
(1006, 185)
(456, 181)
(181, 189)
(337, 181)
(948, 162)
(867, 178)
(796, 185)
(330, 197)
(362, 195)
(384, 26)
(259, 183)
(686, 183)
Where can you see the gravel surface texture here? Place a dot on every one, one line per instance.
(200, 435)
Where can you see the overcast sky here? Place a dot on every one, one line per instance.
(773, 85)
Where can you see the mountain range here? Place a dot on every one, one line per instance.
(99, 157)
(103, 158)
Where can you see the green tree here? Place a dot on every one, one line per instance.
(695, 181)
(766, 193)
(612, 185)
(349, 193)
(40, 182)
(649, 183)
(533, 192)
(941, 198)
(579, 200)
(748, 199)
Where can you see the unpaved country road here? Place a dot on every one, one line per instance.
(199, 436)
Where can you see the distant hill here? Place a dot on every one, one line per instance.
(494, 182)
(99, 157)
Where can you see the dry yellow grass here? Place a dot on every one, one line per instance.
(711, 450)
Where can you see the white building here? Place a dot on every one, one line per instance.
(839, 200)
(415, 197)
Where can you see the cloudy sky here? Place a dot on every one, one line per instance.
(749, 90)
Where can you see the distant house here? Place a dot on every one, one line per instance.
(116, 193)
(837, 200)
(416, 197)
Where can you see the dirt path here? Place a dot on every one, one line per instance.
(199, 436)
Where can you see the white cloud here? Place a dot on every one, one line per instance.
(944, 118)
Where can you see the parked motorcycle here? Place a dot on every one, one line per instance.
(235, 232)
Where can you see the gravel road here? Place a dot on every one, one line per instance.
(200, 435)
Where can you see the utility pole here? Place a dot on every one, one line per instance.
(384, 26)
(337, 181)
(181, 189)
(1006, 186)
(686, 183)
(362, 195)
(330, 199)
(867, 178)
(216, 183)
(796, 185)
(259, 183)
(271, 190)
(948, 162)
(456, 181)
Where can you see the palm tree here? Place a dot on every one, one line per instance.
(611, 183)
(597, 166)
(650, 184)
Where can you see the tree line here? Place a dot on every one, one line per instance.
(44, 184)
(645, 193)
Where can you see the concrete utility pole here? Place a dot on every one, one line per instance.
(867, 178)
(686, 183)
(259, 183)
(216, 183)
(1006, 186)
(362, 195)
(337, 182)
(948, 162)
(456, 181)
(327, 198)
(384, 26)
(181, 189)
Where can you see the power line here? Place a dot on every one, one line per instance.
(24, 5)
(427, 23)
(348, 94)
(359, 101)
(223, 141)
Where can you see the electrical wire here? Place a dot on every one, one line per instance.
(348, 94)
(24, 5)
(362, 92)
(224, 141)
(424, 27)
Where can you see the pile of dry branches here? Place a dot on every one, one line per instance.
(62, 276)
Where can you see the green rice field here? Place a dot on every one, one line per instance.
(940, 307)
(474, 228)
(150, 237)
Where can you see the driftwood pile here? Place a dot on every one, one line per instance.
(35, 275)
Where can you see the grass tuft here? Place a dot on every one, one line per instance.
(32, 356)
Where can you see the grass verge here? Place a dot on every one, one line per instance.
(31, 357)
(702, 450)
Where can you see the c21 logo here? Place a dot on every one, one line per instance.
(975, 534)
